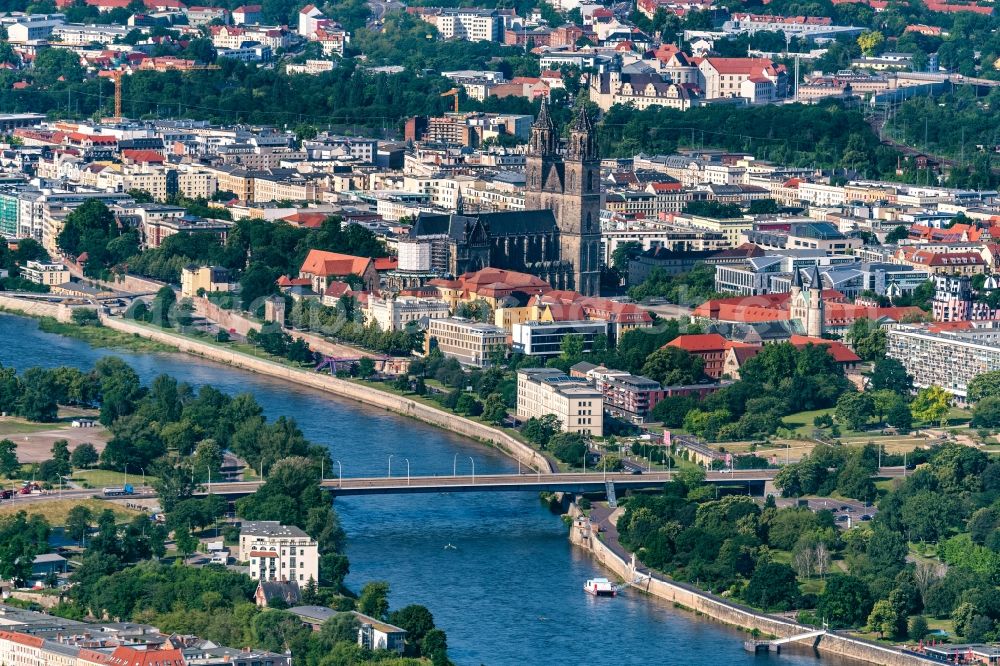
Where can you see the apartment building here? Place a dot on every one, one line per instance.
(627, 396)
(208, 279)
(471, 342)
(758, 80)
(278, 552)
(470, 24)
(578, 406)
(44, 272)
(84, 35)
(396, 314)
(949, 359)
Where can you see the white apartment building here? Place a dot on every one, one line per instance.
(471, 342)
(578, 406)
(474, 25)
(311, 67)
(44, 272)
(821, 195)
(394, 314)
(278, 552)
(949, 359)
(83, 35)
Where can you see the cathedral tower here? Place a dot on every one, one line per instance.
(569, 185)
(807, 305)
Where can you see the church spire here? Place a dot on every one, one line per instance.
(543, 133)
(582, 139)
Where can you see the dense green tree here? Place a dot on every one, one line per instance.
(918, 628)
(931, 404)
(854, 410)
(672, 366)
(9, 465)
(541, 429)
(772, 586)
(569, 447)
(374, 599)
(37, 401)
(899, 417)
(416, 620)
(845, 602)
(984, 385)
(884, 618)
(986, 413)
(78, 522)
(867, 338)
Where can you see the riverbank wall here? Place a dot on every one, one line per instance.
(585, 535)
(343, 388)
(38, 307)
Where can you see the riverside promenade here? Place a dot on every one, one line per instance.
(598, 534)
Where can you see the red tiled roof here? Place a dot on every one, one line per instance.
(337, 288)
(840, 352)
(319, 262)
(306, 219)
(128, 656)
(386, 263)
(703, 342)
(143, 155)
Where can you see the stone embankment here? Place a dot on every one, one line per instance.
(40, 306)
(370, 396)
(584, 534)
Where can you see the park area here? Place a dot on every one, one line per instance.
(34, 440)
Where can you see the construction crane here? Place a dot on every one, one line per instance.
(452, 93)
(116, 76)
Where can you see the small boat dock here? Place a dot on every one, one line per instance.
(757, 646)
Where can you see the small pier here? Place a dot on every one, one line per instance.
(757, 646)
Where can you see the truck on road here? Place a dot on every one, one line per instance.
(115, 491)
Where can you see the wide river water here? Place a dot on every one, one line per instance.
(511, 590)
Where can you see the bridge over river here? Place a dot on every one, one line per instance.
(571, 482)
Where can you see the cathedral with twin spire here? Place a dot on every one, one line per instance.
(558, 235)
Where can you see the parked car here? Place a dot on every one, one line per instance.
(866, 517)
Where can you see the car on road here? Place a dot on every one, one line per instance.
(866, 517)
(636, 471)
(845, 508)
(842, 518)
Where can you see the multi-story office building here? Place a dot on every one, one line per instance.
(538, 338)
(949, 359)
(578, 406)
(278, 552)
(471, 342)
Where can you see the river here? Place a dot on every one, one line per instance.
(511, 591)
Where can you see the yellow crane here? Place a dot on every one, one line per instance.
(116, 76)
(452, 93)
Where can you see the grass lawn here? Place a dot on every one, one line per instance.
(945, 625)
(55, 511)
(100, 336)
(801, 423)
(98, 478)
(812, 586)
(11, 425)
